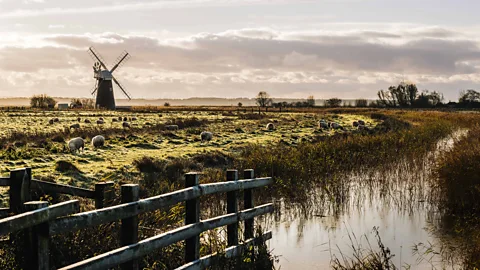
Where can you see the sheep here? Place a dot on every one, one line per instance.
(120, 118)
(270, 126)
(323, 124)
(76, 144)
(56, 120)
(125, 124)
(363, 127)
(75, 126)
(100, 122)
(87, 121)
(206, 136)
(79, 119)
(171, 127)
(335, 125)
(125, 119)
(114, 120)
(50, 121)
(101, 118)
(134, 119)
(355, 124)
(361, 122)
(98, 141)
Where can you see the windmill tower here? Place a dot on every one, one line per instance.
(104, 77)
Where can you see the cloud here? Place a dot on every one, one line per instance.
(240, 61)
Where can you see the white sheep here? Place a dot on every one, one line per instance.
(270, 126)
(171, 127)
(75, 126)
(98, 141)
(206, 136)
(76, 144)
(125, 124)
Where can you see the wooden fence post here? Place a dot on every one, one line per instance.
(38, 250)
(129, 227)
(192, 215)
(19, 189)
(232, 207)
(248, 203)
(104, 194)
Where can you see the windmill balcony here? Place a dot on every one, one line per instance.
(103, 74)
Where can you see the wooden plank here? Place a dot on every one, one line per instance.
(129, 227)
(19, 191)
(144, 247)
(4, 212)
(104, 194)
(62, 189)
(121, 211)
(248, 203)
(192, 216)
(4, 181)
(38, 245)
(230, 252)
(232, 207)
(32, 218)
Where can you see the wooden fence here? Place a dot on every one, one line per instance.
(38, 221)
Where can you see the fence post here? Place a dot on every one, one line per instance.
(248, 203)
(129, 227)
(192, 215)
(19, 189)
(232, 207)
(103, 194)
(38, 250)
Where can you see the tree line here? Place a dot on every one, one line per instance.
(403, 95)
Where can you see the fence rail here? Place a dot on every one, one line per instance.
(41, 221)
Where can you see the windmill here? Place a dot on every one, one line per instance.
(104, 76)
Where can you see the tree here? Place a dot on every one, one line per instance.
(403, 95)
(333, 102)
(263, 99)
(361, 102)
(42, 101)
(469, 98)
(76, 103)
(240, 104)
(310, 101)
(166, 104)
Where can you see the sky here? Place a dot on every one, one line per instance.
(232, 48)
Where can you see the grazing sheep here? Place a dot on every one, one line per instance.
(336, 125)
(323, 124)
(114, 120)
(363, 127)
(120, 118)
(134, 119)
(361, 122)
(87, 121)
(101, 118)
(75, 126)
(76, 144)
(171, 127)
(98, 141)
(355, 124)
(79, 119)
(50, 121)
(270, 126)
(56, 120)
(125, 119)
(100, 122)
(206, 136)
(125, 124)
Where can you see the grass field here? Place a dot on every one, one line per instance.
(31, 141)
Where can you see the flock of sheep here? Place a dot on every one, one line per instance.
(360, 125)
(78, 143)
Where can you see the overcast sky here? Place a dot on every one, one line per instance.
(233, 48)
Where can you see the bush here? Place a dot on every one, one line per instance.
(42, 101)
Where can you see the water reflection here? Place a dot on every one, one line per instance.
(396, 198)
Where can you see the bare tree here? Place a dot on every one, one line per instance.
(263, 99)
